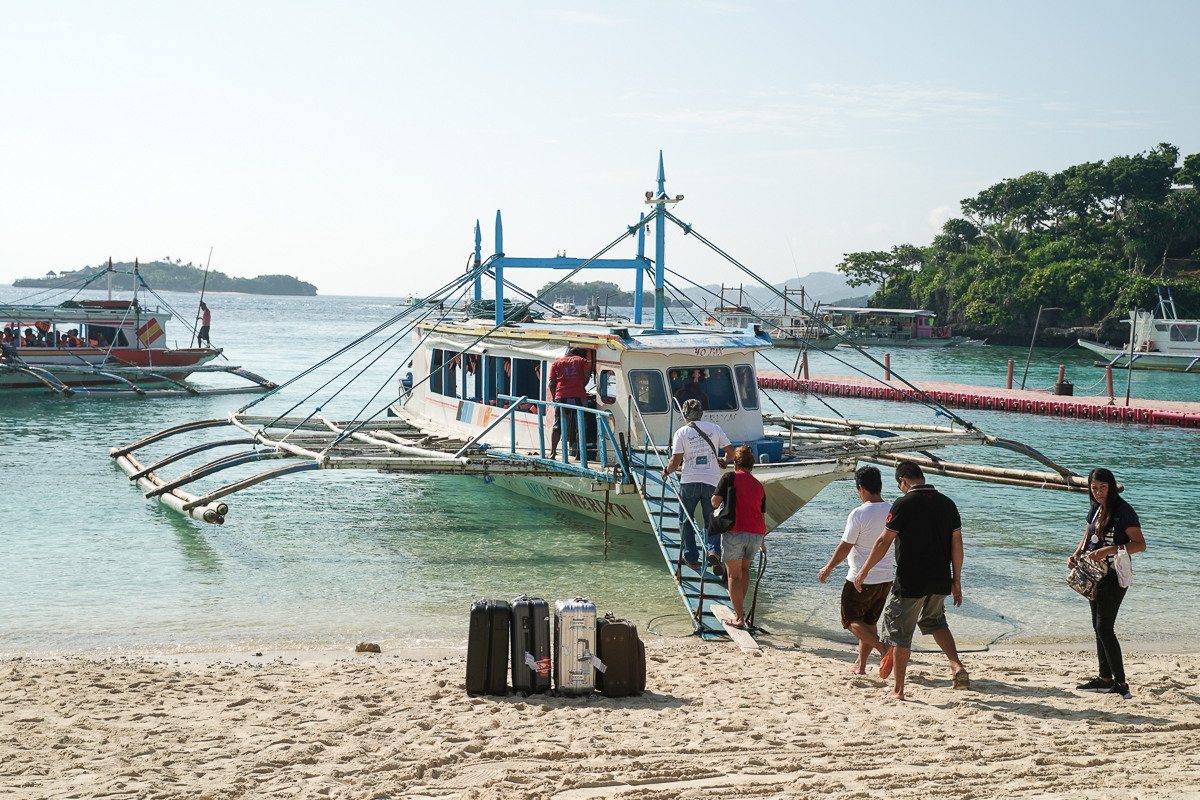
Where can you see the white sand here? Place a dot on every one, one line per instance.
(716, 723)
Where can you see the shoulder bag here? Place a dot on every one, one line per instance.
(724, 517)
(1085, 578)
(1123, 566)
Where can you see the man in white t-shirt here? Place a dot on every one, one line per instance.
(697, 447)
(861, 609)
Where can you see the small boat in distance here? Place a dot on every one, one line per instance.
(102, 347)
(1159, 338)
(894, 327)
(788, 330)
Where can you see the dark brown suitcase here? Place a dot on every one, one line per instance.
(623, 655)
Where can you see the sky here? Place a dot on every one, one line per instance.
(354, 145)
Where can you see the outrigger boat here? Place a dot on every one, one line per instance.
(104, 347)
(1159, 339)
(477, 406)
(894, 327)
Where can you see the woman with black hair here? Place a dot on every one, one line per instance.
(1111, 524)
(749, 532)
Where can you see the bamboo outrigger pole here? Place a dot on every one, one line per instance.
(203, 286)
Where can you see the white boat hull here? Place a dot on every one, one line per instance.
(1119, 357)
(789, 487)
(884, 341)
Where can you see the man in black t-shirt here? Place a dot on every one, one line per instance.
(926, 528)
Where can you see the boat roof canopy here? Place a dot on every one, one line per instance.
(626, 336)
(891, 312)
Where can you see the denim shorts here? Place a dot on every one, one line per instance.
(736, 545)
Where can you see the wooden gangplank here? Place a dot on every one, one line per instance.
(702, 591)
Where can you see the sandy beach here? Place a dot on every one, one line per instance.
(716, 722)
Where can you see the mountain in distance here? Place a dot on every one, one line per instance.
(174, 277)
(829, 288)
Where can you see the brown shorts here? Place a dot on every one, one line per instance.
(864, 606)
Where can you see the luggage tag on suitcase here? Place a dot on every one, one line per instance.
(541, 667)
(596, 662)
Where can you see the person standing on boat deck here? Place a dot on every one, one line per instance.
(861, 610)
(205, 324)
(568, 384)
(697, 448)
(1111, 524)
(927, 530)
(749, 532)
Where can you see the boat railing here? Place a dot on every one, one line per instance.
(609, 452)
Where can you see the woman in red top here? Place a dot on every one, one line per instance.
(749, 531)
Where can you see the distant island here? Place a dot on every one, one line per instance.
(174, 276)
(582, 293)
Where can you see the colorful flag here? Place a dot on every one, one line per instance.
(149, 332)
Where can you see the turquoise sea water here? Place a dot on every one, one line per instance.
(332, 558)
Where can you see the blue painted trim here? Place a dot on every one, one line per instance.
(641, 273)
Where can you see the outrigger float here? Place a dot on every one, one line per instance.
(477, 405)
(108, 348)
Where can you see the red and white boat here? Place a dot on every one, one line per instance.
(78, 345)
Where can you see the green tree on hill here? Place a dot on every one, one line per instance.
(1093, 239)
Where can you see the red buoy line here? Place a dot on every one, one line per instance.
(987, 398)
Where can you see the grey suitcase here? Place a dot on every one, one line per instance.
(575, 646)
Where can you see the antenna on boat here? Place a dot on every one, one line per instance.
(478, 253)
(641, 271)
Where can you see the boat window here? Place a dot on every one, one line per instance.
(747, 388)
(472, 377)
(499, 379)
(1183, 333)
(450, 373)
(712, 386)
(608, 386)
(435, 373)
(647, 389)
(527, 381)
(103, 335)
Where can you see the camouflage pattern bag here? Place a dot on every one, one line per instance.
(1086, 576)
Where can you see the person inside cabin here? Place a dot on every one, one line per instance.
(205, 324)
(693, 390)
(30, 339)
(73, 338)
(568, 384)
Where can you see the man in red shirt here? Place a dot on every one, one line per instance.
(568, 381)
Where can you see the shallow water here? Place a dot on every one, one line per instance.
(332, 558)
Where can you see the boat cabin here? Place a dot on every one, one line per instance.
(640, 375)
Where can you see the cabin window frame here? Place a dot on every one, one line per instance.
(606, 386)
(631, 376)
(732, 387)
(737, 387)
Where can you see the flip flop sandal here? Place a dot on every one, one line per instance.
(885, 663)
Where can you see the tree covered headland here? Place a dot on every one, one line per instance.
(1095, 240)
(175, 277)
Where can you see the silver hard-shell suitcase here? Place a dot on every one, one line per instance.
(575, 646)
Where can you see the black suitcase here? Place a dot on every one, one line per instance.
(530, 643)
(487, 648)
(624, 657)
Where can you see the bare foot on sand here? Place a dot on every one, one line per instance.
(857, 669)
(894, 695)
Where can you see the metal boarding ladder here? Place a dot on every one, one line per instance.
(700, 590)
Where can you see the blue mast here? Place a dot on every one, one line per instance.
(499, 270)
(478, 280)
(660, 231)
(637, 290)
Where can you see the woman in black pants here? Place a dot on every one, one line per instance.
(1111, 523)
